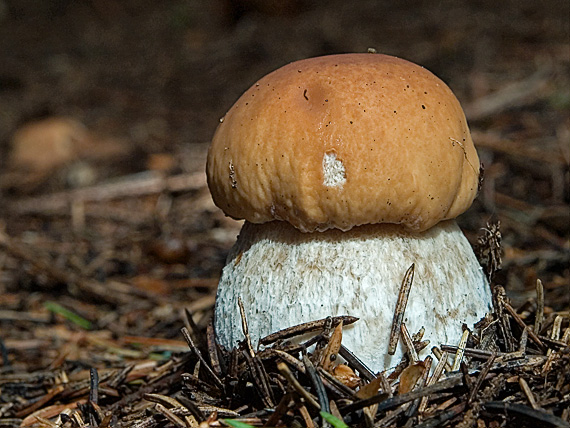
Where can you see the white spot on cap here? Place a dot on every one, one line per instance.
(333, 171)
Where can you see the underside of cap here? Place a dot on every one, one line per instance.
(285, 277)
(345, 140)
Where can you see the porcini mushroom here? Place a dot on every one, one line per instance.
(347, 169)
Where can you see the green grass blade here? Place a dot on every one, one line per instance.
(67, 314)
(333, 420)
(237, 424)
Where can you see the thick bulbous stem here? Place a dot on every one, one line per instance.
(285, 277)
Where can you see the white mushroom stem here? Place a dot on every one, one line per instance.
(286, 277)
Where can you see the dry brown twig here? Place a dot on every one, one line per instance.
(308, 327)
(137, 185)
(400, 309)
(513, 94)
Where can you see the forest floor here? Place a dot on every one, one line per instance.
(110, 243)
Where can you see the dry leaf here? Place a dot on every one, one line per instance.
(161, 162)
(346, 375)
(330, 354)
(154, 285)
(370, 389)
(409, 377)
(46, 144)
(367, 391)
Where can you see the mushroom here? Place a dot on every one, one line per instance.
(347, 169)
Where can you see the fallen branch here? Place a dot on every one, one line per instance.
(136, 185)
(514, 94)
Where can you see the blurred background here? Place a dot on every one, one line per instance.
(99, 92)
(160, 74)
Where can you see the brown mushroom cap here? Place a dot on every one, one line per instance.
(345, 140)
